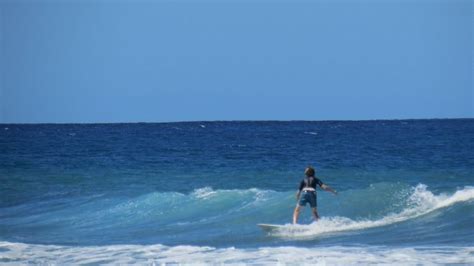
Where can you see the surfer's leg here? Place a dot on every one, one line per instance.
(314, 205)
(315, 213)
(296, 213)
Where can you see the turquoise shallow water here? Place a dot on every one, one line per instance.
(194, 192)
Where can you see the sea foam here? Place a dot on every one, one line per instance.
(18, 253)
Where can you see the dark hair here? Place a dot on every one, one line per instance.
(309, 171)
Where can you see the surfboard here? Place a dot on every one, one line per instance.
(270, 227)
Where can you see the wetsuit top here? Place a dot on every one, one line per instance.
(310, 182)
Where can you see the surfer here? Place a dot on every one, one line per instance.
(307, 193)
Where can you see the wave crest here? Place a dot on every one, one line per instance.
(421, 202)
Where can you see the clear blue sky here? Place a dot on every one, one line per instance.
(153, 61)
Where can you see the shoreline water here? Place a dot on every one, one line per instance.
(150, 254)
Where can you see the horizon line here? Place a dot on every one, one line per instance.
(227, 121)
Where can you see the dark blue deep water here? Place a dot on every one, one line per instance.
(195, 192)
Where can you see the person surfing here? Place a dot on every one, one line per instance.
(307, 193)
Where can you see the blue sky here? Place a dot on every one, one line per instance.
(154, 61)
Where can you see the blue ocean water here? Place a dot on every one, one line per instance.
(194, 192)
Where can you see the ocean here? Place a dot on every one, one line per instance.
(194, 192)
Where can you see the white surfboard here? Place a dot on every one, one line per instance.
(270, 227)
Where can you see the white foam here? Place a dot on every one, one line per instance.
(18, 253)
(209, 192)
(203, 193)
(421, 202)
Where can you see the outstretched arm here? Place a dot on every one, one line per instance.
(328, 188)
